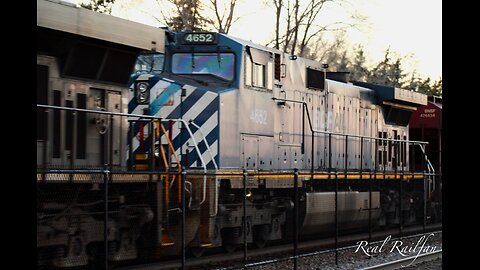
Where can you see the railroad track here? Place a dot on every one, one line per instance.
(398, 264)
(252, 254)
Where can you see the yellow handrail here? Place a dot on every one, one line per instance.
(179, 186)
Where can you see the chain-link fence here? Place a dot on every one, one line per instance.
(111, 193)
(149, 218)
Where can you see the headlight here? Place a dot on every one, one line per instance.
(142, 97)
(142, 92)
(142, 87)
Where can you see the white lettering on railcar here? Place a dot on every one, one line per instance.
(428, 113)
(259, 116)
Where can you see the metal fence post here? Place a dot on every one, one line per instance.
(244, 178)
(370, 188)
(425, 187)
(400, 217)
(295, 220)
(313, 153)
(45, 145)
(346, 156)
(183, 178)
(424, 203)
(413, 164)
(329, 152)
(106, 176)
(151, 164)
(110, 139)
(73, 153)
(336, 217)
(130, 146)
(73, 149)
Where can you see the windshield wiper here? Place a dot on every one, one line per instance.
(219, 59)
(193, 58)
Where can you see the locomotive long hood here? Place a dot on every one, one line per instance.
(393, 96)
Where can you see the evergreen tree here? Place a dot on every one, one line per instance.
(344, 62)
(425, 86)
(358, 71)
(188, 16)
(387, 73)
(102, 6)
(436, 88)
(379, 74)
(396, 74)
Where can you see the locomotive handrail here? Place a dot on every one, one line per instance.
(139, 116)
(346, 134)
(431, 169)
(204, 176)
(198, 152)
(206, 143)
(185, 122)
(105, 112)
(130, 115)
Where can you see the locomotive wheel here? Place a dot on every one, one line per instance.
(196, 252)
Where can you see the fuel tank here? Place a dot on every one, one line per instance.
(353, 208)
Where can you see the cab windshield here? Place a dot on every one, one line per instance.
(149, 63)
(220, 65)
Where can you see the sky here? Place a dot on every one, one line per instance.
(411, 28)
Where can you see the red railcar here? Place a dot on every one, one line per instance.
(426, 125)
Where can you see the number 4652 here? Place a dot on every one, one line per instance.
(199, 37)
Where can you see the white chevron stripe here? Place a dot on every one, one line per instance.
(195, 110)
(175, 126)
(167, 110)
(206, 156)
(157, 89)
(192, 113)
(144, 77)
(139, 109)
(199, 106)
(207, 127)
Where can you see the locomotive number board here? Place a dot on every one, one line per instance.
(199, 38)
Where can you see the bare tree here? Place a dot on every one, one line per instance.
(278, 12)
(301, 23)
(297, 22)
(224, 19)
(288, 31)
(332, 52)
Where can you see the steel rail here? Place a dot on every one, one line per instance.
(305, 245)
(409, 261)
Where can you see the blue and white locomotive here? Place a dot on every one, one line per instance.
(250, 107)
(212, 110)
